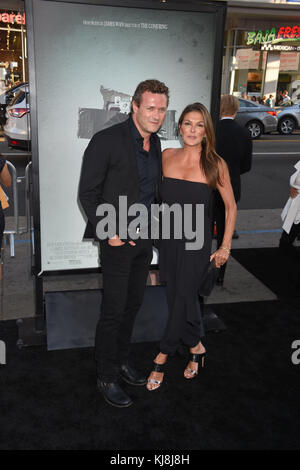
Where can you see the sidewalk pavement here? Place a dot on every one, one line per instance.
(256, 228)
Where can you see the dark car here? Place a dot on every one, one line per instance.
(5, 100)
(259, 119)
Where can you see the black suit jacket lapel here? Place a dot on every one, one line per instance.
(159, 176)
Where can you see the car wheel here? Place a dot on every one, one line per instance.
(255, 128)
(286, 126)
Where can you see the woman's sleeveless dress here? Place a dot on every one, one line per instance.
(183, 270)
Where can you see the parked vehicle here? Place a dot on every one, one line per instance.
(17, 127)
(259, 119)
(6, 99)
(288, 118)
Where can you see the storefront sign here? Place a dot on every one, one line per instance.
(285, 33)
(247, 59)
(279, 47)
(258, 37)
(12, 18)
(288, 32)
(289, 61)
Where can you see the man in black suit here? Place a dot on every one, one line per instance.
(123, 160)
(234, 145)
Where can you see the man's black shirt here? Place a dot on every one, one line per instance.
(148, 166)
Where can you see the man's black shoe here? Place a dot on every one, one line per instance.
(132, 376)
(113, 394)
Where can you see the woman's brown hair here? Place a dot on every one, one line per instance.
(210, 160)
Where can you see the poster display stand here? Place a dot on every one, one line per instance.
(85, 60)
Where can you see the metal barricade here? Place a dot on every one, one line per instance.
(28, 192)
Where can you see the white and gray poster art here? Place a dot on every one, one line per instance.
(89, 59)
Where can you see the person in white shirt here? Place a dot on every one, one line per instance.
(291, 214)
(285, 97)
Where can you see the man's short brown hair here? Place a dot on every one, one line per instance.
(229, 105)
(154, 86)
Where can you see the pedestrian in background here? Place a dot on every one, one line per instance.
(5, 180)
(291, 214)
(234, 145)
(269, 101)
(262, 100)
(285, 97)
(278, 98)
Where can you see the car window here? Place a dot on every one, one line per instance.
(246, 104)
(11, 96)
(286, 104)
(19, 97)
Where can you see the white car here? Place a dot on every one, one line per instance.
(17, 127)
(5, 100)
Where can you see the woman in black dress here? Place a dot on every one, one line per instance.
(5, 180)
(190, 174)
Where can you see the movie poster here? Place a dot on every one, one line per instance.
(89, 59)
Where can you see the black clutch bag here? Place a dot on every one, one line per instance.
(207, 285)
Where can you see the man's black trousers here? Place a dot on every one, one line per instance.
(125, 270)
(289, 238)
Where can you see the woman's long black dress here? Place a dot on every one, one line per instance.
(183, 270)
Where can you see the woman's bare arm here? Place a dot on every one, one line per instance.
(5, 177)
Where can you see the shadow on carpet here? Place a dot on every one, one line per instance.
(245, 398)
(278, 271)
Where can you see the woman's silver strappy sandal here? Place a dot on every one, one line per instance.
(157, 383)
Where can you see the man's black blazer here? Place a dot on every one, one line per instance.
(233, 143)
(109, 170)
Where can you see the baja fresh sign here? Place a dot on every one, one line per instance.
(283, 34)
(257, 37)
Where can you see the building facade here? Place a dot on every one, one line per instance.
(13, 56)
(262, 49)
